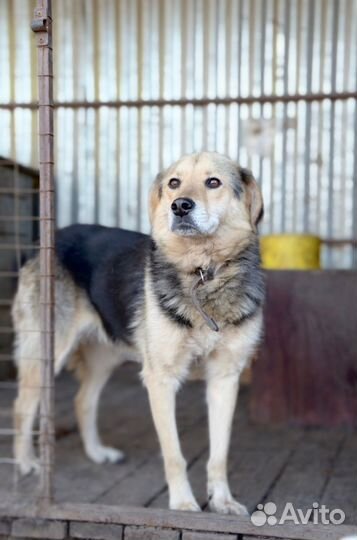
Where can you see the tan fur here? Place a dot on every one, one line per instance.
(254, 198)
(237, 215)
(169, 353)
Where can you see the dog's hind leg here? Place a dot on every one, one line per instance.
(27, 355)
(96, 365)
(26, 404)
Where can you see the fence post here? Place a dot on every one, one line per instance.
(42, 26)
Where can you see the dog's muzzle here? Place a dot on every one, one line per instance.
(182, 207)
(182, 222)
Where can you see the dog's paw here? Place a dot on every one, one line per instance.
(28, 465)
(188, 505)
(227, 506)
(101, 454)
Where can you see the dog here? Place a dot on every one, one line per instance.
(185, 301)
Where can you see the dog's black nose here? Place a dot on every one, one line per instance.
(182, 206)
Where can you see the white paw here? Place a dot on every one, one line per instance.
(227, 506)
(189, 505)
(28, 465)
(101, 454)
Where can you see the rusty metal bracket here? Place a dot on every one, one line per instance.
(40, 25)
(40, 21)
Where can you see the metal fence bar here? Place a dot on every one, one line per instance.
(42, 25)
(199, 102)
(262, 73)
(275, 28)
(354, 196)
(287, 8)
(310, 44)
(239, 74)
(320, 120)
(161, 45)
(330, 214)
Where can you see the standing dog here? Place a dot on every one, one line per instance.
(190, 295)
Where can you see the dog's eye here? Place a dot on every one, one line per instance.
(174, 183)
(213, 183)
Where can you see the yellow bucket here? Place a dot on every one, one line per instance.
(290, 252)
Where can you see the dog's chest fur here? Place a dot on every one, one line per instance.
(234, 294)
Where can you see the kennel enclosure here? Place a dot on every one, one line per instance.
(219, 81)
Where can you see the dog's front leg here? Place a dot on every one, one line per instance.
(162, 395)
(222, 393)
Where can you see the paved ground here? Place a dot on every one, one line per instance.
(267, 464)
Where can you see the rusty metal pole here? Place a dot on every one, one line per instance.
(42, 26)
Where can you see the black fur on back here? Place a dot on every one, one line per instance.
(109, 264)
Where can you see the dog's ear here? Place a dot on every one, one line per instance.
(155, 195)
(254, 196)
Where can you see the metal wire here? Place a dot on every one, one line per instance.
(47, 227)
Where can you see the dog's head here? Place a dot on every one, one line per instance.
(203, 195)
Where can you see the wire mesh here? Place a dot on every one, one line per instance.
(27, 234)
(19, 233)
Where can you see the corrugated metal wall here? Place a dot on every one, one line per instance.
(139, 82)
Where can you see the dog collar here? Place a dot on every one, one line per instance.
(203, 276)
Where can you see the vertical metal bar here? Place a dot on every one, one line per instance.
(347, 14)
(183, 26)
(11, 21)
(42, 25)
(354, 178)
(320, 143)
(228, 22)
(331, 169)
(13, 147)
(263, 45)
(217, 71)
(139, 13)
(161, 16)
(118, 126)
(240, 26)
(310, 45)
(251, 66)
(140, 67)
(299, 8)
(228, 47)
(205, 49)
(273, 112)
(76, 32)
(262, 73)
(12, 73)
(285, 114)
(354, 199)
(34, 141)
(205, 54)
(228, 63)
(96, 54)
(251, 23)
